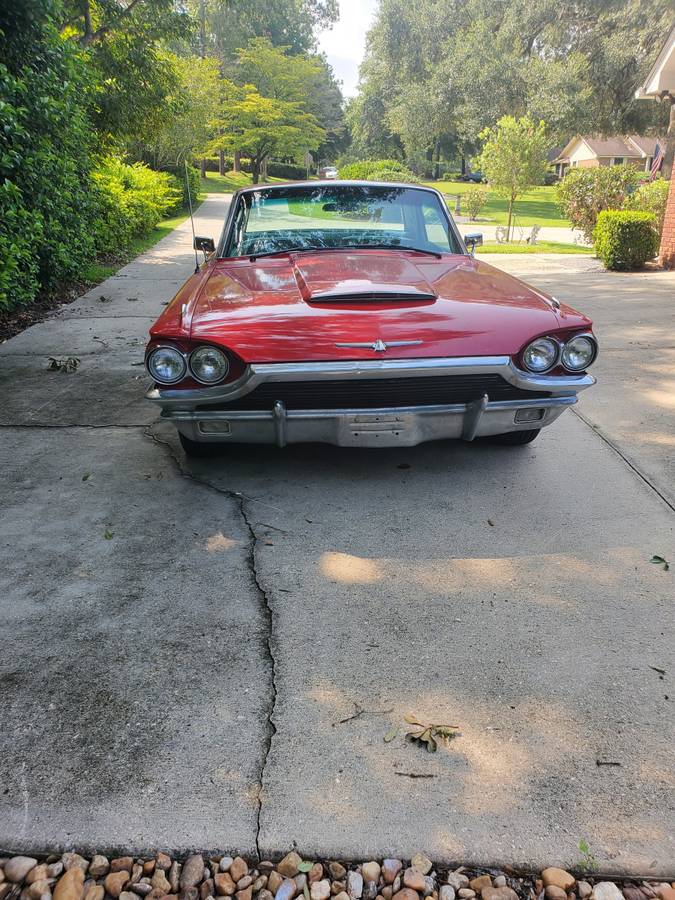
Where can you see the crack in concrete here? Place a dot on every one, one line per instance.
(265, 603)
(627, 460)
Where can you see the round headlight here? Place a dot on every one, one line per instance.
(578, 353)
(166, 365)
(209, 365)
(541, 355)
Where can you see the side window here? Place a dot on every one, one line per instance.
(435, 226)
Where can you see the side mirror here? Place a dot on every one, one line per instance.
(472, 241)
(205, 244)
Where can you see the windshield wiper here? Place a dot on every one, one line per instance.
(392, 247)
(254, 256)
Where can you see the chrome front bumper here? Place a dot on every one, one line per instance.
(386, 427)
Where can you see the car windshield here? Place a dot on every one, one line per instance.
(344, 216)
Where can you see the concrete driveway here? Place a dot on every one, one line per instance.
(211, 654)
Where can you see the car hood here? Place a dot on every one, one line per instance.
(307, 307)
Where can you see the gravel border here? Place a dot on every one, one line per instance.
(69, 876)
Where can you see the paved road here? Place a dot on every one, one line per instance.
(210, 654)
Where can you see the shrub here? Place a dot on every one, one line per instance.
(46, 209)
(286, 170)
(131, 199)
(178, 182)
(650, 197)
(584, 193)
(377, 170)
(625, 239)
(475, 201)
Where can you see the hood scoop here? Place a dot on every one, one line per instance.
(373, 293)
(361, 278)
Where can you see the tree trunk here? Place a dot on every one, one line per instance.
(236, 164)
(263, 168)
(202, 29)
(437, 163)
(203, 168)
(255, 160)
(508, 226)
(669, 151)
(221, 162)
(463, 165)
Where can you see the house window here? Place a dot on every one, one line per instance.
(574, 163)
(618, 160)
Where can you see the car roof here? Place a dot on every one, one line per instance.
(332, 183)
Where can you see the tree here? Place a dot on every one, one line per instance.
(514, 158)
(262, 126)
(191, 111)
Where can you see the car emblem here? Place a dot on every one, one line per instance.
(379, 345)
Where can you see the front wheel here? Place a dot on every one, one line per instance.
(199, 449)
(514, 438)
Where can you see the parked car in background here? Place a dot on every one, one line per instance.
(352, 313)
(475, 177)
(328, 172)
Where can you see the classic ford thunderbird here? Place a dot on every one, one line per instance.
(354, 313)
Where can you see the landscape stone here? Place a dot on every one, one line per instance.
(355, 885)
(606, 890)
(337, 871)
(193, 871)
(414, 879)
(447, 892)
(115, 881)
(224, 885)
(18, 867)
(558, 877)
(421, 863)
(121, 864)
(99, 866)
(553, 892)
(286, 890)
(477, 884)
(320, 890)
(289, 865)
(70, 885)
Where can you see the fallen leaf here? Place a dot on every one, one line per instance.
(67, 365)
(660, 561)
(491, 523)
(656, 669)
(391, 734)
(108, 534)
(305, 866)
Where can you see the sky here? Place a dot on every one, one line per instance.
(344, 44)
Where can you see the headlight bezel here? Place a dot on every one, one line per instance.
(556, 357)
(153, 374)
(212, 348)
(586, 336)
(561, 344)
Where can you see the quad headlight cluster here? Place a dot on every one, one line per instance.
(575, 355)
(168, 365)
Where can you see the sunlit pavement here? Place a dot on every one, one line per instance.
(211, 654)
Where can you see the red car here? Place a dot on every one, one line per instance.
(352, 313)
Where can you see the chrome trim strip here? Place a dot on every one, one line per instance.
(380, 345)
(259, 373)
(244, 415)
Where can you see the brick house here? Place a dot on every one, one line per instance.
(589, 151)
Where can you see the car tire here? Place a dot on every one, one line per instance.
(514, 438)
(199, 449)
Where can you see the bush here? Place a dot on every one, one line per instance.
(650, 197)
(625, 239)
(286, 170)
(475, 201)
(584, 193)
(46, 208)
(131, 200)
(377, 170)
(178, 182)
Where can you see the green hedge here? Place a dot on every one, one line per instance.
(378, 170)
(131, 200)
(625, 239)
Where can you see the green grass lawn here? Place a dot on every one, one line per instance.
(538, 207)
(230, 181)
(539, 247)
